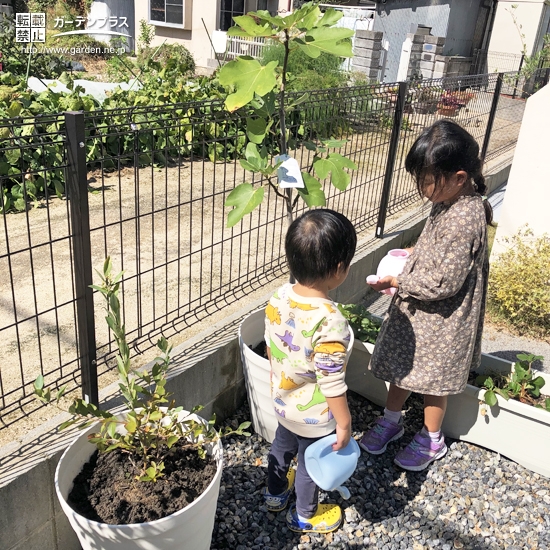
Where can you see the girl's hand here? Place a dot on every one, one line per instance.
(343, 435)
(384, 283)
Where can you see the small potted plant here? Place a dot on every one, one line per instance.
(448, 104)
(426, 100)
(147, 477)
(465, 96)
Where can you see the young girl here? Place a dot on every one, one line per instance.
(431, 336)
(307, 340)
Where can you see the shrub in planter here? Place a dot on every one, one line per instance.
(523, 384)
(519, 292)
(364, 325)
(153, 461)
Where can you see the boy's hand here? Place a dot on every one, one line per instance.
(343, 435)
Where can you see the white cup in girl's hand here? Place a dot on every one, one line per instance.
(391, 264)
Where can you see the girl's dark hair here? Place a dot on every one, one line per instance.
(442, 150)
(318, 243)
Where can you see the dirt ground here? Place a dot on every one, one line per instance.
(165, 227)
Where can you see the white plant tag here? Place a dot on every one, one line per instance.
(288, 173)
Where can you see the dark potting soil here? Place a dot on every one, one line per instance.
(106, 489)
(261, 350)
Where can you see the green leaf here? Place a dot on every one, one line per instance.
(330, 18)
(306, 21)
(39, 382)
(14, 109)
(256, 129)
(248, 77)
(334, 143)
(329, 40)
(131, 426)
(12, 155)
(155, 416)
(334, 164)
(503, 393)
(490, 398)
(538, 382)
(244, 199)
(111, 429)
(484, 381)
(312, 192)
(172, 440)
(248, 24)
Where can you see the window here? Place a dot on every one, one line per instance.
(233, 8)
(167, 11)
(228, 10)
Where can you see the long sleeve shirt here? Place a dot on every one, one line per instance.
(309, 342)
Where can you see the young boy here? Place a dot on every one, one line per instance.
(307, 340)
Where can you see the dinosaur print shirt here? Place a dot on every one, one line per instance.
(309, 341)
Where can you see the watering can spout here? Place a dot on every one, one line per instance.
(344, 492)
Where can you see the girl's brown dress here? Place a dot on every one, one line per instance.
(431, 336)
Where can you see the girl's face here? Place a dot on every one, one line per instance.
(449, 187)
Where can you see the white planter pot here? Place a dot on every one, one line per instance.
(188, 529)
(361, 380)
(257, 375)
(516, 430)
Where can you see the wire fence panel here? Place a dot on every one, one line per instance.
(486, 62)
(37, 324)
(466, 100)
(157, 180)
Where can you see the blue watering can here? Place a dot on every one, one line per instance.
(331, 469)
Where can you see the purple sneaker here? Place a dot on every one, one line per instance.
(420, 453)
(382, 432)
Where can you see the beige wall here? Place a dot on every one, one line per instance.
(527, 197)
(196, 38)
(505, 36)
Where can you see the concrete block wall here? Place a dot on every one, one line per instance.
(368, 53)
(425, 48)
(458, 65)
(426, 59)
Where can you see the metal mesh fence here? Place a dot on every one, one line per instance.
(157, 179)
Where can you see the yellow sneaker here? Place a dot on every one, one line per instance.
(327, 518)
(276, 503)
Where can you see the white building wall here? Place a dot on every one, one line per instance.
(506, 37)
(527, 197)
(195, 39)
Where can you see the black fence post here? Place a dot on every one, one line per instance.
(77, 193)
(519, 74)
(546, 77)
(392, 152)
(491, 120)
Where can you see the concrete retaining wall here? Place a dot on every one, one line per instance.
(206, 369)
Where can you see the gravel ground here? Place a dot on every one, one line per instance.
(471, 498)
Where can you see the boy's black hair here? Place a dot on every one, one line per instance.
(442, 150)
(318, 243)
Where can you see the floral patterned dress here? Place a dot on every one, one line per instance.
(431, 336)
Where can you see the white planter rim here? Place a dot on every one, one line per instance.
(216, 452)
(513, 405)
